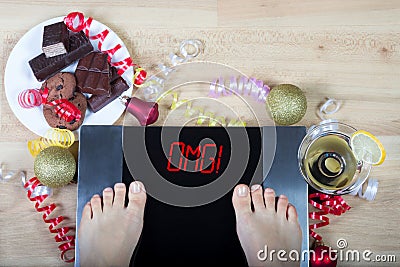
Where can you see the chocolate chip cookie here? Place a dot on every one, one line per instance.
(79, 100)
(61, 85)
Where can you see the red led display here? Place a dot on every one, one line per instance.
(179, 154)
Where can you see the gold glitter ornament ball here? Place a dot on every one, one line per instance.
(55, 166)
(287, 103)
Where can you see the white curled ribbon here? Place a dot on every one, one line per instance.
(369, 192)
(39, 190)
(330, 107)
(153, 87)
(185, 55)
(195, 43)
(240, 85)
(6, 176)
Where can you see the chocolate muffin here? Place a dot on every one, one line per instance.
(61, 85)
(79, 100)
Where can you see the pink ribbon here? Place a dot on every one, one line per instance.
(240, 85)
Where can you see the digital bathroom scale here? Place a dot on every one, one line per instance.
(189, 174)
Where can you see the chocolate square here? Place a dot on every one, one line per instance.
(97, 102)
(93, 74)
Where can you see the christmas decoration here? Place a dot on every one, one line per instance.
(62, 107)
(287, 103)
(370, 190)
(52, 157)
(6, 175)
(330, 205)
(101, 37)
(145, 112)
(330, 107)
(53, 137)
(38, 193)
(241, 86)
(153, 87)
(323, 256)
(203, 114)
(55, 166)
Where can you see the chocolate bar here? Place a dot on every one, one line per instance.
(55, 39)
(97, 102)
(93, 74)
(44, 67)
(113, 74)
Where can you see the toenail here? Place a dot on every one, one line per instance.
(120, 185)
(108, 189)
(255, 187)
(269, 190)
(242, 191)
(96, 196)
(282, 196)
(135, 187)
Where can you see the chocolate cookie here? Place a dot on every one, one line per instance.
(79, 100)
(61, 85)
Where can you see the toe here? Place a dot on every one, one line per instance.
(241, 200)
(292, 214)
(282, 206)
(257, 197)
(119, 198)
(269, 196)
(107, 198)
(95, 202)
(87, 212)
(137, 198)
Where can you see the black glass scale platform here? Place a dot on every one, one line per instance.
(189, 174)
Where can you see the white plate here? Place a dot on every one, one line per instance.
(19, 76)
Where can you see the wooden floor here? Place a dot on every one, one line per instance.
(346, 49)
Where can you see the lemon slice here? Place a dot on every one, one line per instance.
(367, 147)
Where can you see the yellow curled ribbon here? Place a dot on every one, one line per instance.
(53, 137)
(203, 115)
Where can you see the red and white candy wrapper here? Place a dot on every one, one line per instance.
(76, 22)
(240, 85)
(38, 193)
(329, 205)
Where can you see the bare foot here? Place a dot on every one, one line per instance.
(108, 235)
(266, 227)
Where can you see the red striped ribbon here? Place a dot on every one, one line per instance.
(61, 233)
(62, 107)
(66, 110)
(330, 205)
(81, 24)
